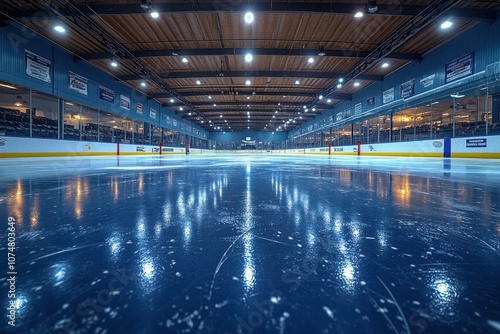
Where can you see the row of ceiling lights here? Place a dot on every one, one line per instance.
(249, 18)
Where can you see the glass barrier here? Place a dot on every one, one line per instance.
(45, 110)
(14, 111)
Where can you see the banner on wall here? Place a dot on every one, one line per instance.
(152, 113)
(168, 120)
(175, 122)
(358, 108)
(459, 68)
(407, 89)
(38, 67)
(347, 113)
(388, 96)
(339, 116)
(78, 83)
(331, 119)
(139, 108)
(371, 102)
(106, 94)
(124, 102)
(428, 81)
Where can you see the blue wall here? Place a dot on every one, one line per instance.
(483, 40)
(15, 40)
(255, 135)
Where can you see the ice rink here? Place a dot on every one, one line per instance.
(252, 244)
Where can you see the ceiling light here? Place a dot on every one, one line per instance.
(446, 24)
(457, 96)
(171, 100)
(143, 84)
(248, 82)
(249, 17)
(209, 96)
(372, 6)
(359, 15)
(306, 110)
(146, 5)
(328, 101)
(190, 113)
(320, 97)
(356, 84)
(304, 107)
(215, 105)
(184, 60)
(248, 112)
(155, 14)
(313, 109)
(198, 82)
(248, 127)
(276, 112)
(7, 86)
(384, 65)
(321, 51)
(248, 57)
(297, 82)
(18, 104)
(60, 29)
(114, 63)
(220, 115)
(274, 116)
(310, 60)
(181, 108)
(248, 97)
(339, 86)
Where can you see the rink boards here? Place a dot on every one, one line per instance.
(471, 147)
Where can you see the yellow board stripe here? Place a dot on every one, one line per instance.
(54, 154)
(75, 154)
(404, 154)
(486, 155)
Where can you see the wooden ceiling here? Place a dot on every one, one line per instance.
(213, 38)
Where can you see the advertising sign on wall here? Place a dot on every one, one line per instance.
(358, 108)
(106, 94)
(152, 113)
(388, 96)
(428, 81)
(407, 89)
(139, 108)
(371, 102)
(459, 68)
(38, 67)
(124, 102)
(78, 83)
